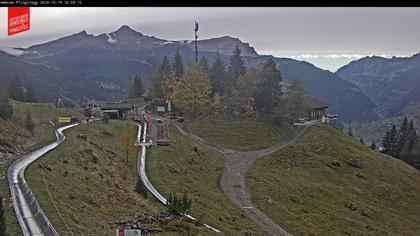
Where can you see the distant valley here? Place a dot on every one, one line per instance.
(393, 84)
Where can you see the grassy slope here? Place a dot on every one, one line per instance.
(242, 135)
(99, 187)
(180, 169)
(18, 135)
(309, 197)
(12, 132)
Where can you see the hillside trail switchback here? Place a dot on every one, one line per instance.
(233, 180)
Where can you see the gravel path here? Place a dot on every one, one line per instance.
(233, 180)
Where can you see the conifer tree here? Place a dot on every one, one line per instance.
(236, 69)
(386, 143)
(155, 89)
(130, 88)
(410, 151)
(135, 87)
(218, 75)
(164, 67)
(138, 85)
(15, 89)
(403, 133)
(395, 142)
(268, 88)
(404, 128)
(178, 65)
(6, 110)
(350, 131)
(412, 132)
(391, 142)
(297, 93)
(30, 93)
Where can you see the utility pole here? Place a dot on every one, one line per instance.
(196, 37)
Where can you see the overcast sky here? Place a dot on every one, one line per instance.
(326, 37)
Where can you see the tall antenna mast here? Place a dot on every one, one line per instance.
(196, 37)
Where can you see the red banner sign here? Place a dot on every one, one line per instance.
(18, 20)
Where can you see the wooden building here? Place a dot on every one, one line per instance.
(317, 109)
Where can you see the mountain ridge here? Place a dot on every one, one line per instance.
(84, 62)
(391, 83)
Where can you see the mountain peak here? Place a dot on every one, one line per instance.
(126, 30)
(228, 37)
(81, 34)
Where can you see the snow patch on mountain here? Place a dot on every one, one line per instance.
(13, 51)
(164, 43)
(111, 38)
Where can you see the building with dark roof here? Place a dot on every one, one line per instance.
(116, 110)
(316, 108)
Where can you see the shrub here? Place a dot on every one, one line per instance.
(29, 124)
(6, 110)
(106, 118)
(179, 205)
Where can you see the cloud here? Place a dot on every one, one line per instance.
(350, 56)
(347, 56)
(306, 56)
(330, 56)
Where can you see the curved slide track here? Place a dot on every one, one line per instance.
(31, 218)
(141, 171)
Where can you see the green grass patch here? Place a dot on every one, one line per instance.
(299, 189)
(181, 169)
(48, 112)
(242, 135)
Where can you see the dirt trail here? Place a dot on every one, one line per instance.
(233, 180)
